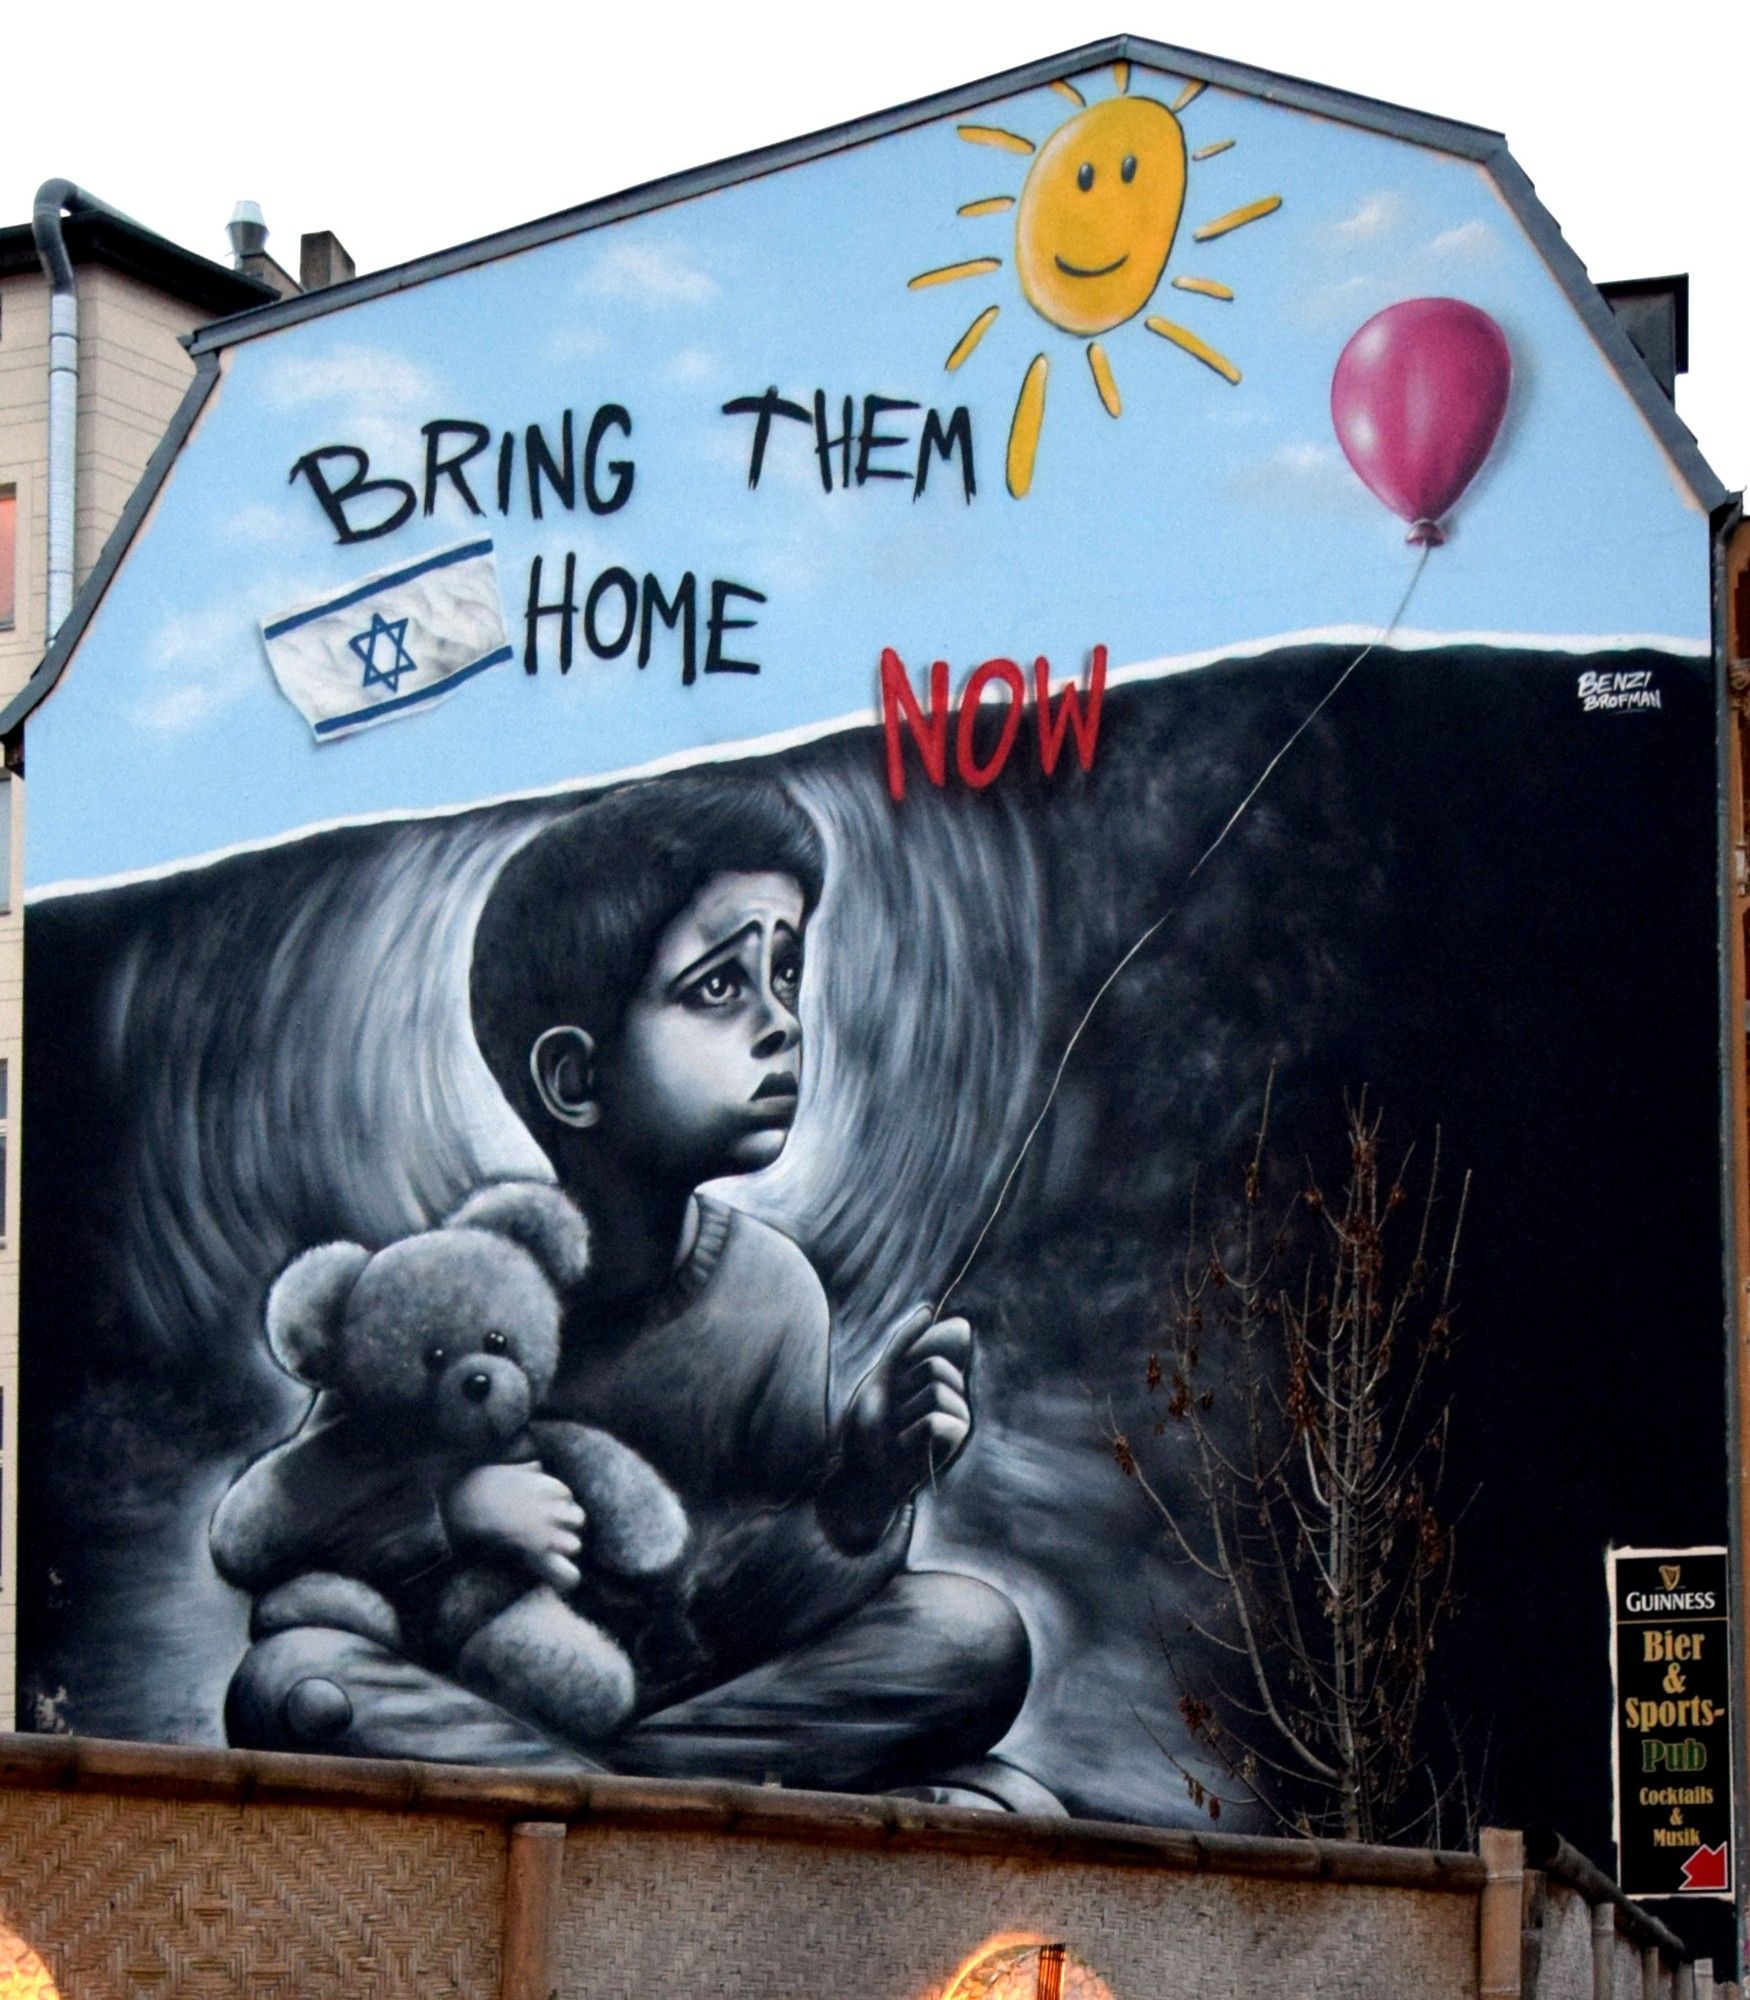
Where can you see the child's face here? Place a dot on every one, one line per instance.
(703, 1076)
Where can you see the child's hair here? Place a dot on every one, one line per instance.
(570, 926)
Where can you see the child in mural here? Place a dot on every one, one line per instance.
(634, 990)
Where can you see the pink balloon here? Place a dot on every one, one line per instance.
(1417, 399)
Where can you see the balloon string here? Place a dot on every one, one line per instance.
(1111, 979)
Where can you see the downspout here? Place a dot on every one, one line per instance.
(55, 199)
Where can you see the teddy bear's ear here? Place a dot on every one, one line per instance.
(535, 1215)
(306, 1307)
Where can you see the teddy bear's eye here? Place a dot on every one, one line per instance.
(495, 1343)
(435, 1357)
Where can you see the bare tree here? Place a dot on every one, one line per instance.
(1303, 1426)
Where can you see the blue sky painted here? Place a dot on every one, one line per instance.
(1208, 515)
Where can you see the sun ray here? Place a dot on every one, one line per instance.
(1182, 336)
(1065, 89)
(990, 204)
(1121, 76)
(1237, 218)
(974, 267)
(1209, 152)
(994, 135)
(1185, 96)
(1103, 379)
(972, 336)
(1211, 288)
(1024, 430)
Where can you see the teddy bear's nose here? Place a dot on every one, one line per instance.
(477, 1387)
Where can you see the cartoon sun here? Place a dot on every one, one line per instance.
(1095, 225)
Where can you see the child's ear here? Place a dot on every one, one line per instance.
(307, 1307)
(538, 1219)
(562, 1063)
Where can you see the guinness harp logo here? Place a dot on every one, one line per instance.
(1669, 1573)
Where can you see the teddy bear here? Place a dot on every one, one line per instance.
(430, 1358)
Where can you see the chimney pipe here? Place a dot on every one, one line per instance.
(247, 231)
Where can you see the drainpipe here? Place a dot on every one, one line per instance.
(55, 199)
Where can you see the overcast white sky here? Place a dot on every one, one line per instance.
(405, 128)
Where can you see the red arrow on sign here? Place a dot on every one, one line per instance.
(1706, 1868)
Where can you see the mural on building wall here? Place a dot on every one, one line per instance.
(617, 1081)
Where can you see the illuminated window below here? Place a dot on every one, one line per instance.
(1025, 1965)
(8, 555)
(23, 1976)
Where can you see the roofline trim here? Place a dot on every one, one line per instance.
(62, 647)
(1472, 142)
(105, 238)
(1514, 186)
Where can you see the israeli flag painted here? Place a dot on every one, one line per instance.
(392, 643)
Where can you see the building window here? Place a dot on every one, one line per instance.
(8, 556)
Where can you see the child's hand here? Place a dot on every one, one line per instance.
(911, 1416)
(522, 1511)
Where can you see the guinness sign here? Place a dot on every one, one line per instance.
(1672, 1749)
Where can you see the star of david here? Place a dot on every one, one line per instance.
(364, 644)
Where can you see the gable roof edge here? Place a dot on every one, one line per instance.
(1563, 263)
(49, 669)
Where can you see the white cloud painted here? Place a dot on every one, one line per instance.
(1378, 215)
(191, 635)
(1469, 242)
(258, 522)
(371, 397)
(204, 662)
(174, 711)
(692, 364)
(650, 274)
(1355, 298)
(1413, 267)
(1306, 473)
(367, 376)
(577, 343)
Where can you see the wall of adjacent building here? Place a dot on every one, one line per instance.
(133, 373)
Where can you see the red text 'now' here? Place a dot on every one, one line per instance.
(1070, 712)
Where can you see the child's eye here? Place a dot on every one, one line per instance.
(787, 976)
(718, 987)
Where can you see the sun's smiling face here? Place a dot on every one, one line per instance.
(1096, 220)
(1099, 212)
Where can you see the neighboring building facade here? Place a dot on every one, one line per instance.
(139, 297)
(968, 553)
